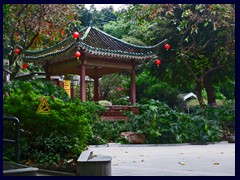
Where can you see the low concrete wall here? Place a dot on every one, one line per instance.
(93, 165)
(12, 169)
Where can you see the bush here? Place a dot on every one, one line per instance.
(224, 115)
(63, 132)
(164, 93)
(160, 124)
(106, 131)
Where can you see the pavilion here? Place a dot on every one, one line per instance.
(100, 54)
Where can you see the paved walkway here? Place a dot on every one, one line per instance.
(170, 160)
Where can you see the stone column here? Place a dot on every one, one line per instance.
(83, 82)
(133, 85)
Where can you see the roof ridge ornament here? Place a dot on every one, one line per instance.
(86, 33)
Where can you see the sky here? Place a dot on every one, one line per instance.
(100, 6)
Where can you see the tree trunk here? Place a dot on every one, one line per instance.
(210, 90)
(199, 89)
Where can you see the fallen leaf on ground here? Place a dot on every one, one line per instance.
(216, 163)
(181, 163)
(126, 152)
(142, 160)
(221, 152)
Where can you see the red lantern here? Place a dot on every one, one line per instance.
(78, 54)
(167, 46)
(24, 66)
(158, 62)
(131, 50)
(76, 35)
(16, 51)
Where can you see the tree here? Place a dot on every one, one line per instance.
(95, 17)
(202, 37)
(33, 26)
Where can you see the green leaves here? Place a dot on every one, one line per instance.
(65, 130)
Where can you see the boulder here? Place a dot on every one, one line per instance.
(230, 139)
(134, 137)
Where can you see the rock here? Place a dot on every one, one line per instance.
(54, 166)
(45, 165)
(73, 167)
(62, 167)
(70, 161)
(134, 138)
(230, 139)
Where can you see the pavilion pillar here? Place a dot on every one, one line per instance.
(48, 75)
(96, 87)
(83, 82)
(133, 85)
(72, 90)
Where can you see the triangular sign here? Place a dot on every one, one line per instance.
(43, 107)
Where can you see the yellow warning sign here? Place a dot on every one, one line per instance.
(67, 87)
(43, 107)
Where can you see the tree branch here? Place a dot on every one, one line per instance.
(30, 43)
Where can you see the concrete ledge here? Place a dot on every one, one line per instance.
(93, 165)
(151, 145)
(12, 169)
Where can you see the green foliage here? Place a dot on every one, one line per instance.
(63, 132)
(201, 36)
(161, 124)
(106, 131)
(109, 86)
(224, 114)
(149, 87)
(132, 40)
(143, 82)
(42, 87)
(227, 89)
(164, 93)
(33, 26)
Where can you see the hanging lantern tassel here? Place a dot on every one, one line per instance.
(75, 35)
(78, 54)
(158, 62)
(167, 46)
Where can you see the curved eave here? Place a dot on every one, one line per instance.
(127, 45)
(94, 42)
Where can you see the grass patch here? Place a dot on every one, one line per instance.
(194, 102)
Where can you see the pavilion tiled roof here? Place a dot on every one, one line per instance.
(94, 42)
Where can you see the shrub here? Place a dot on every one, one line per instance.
(164, 93)
(106, 131)
(64, 131)
(160, 124)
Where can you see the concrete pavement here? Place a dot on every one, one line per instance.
(170, 160)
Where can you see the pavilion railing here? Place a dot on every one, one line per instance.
(115, 112)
